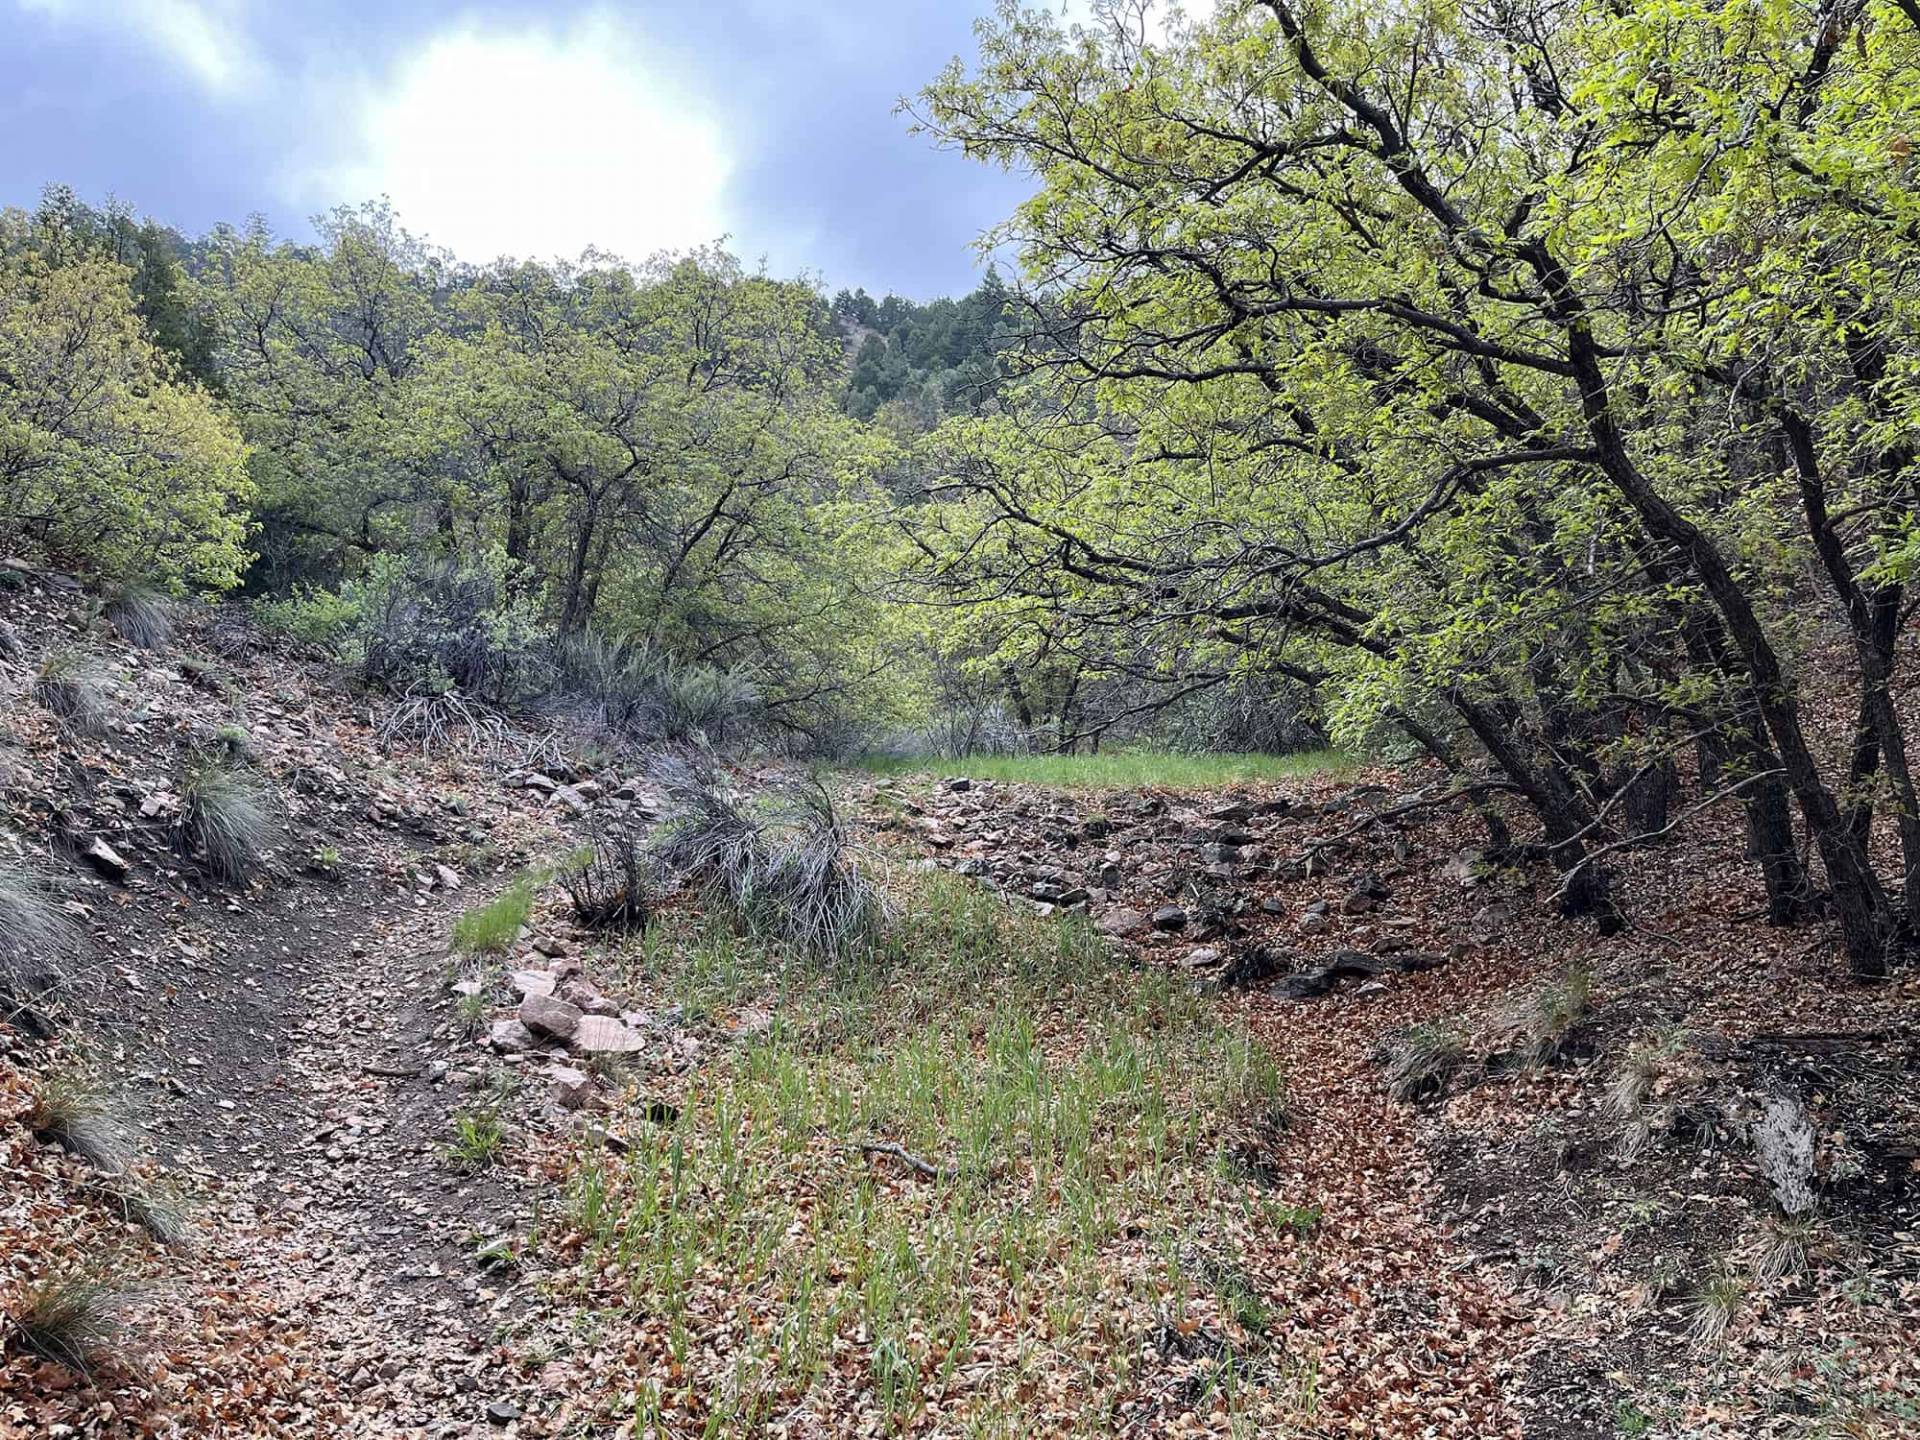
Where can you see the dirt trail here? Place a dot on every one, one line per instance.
(305, 1071)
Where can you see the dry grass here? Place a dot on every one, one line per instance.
(227, 818)
(74, 1318)
(141, 615)
(1422, 1061)
(36, 939)
(73, 1108)
(68, 686)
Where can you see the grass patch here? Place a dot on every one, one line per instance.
(1122, 769)
(978, 1175)
(36, 939)
(73, 1109)
(479, 1138)
(68, 685)
(490, 928)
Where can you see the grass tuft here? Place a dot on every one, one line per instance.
(611, 880)
(1422, 1061)
(72, 1108)
(226, 818)
(1122, 769)
(1538, 1031)
(1715, 1308)
(68, 687)
(479, 1138)
(74, 1318)
(36, 940)
(142, 615)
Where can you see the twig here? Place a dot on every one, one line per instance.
(911, 1161)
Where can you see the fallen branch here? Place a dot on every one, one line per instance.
(870, 1148)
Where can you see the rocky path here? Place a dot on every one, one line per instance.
(306, 1079)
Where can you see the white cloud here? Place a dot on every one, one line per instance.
(535, 143)
(206, 38)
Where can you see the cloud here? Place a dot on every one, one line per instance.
(535, 143)
(207, 40)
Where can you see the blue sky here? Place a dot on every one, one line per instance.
(513, 127)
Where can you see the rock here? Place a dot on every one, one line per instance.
(532, 982)
(547, 1015)
(1273, 905)
(447, 877)
(587, 996)
(510, 1037)
(1358, 903)
(1111, 877)
(1169, 917)
(957, 785)
(1232, 811)
(605, 1035)
(1314, 923)
(572, 1088)
(1076, 896)
(1120, 921)
(1200, 957)
(469, 988)
(545, 784)
(1488, 921)
(551, 945)
(502, 1412)
(104, 858)
(570, 797)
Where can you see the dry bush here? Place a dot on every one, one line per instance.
(611, 881)
(1423, 1059)
(74, 1318)
(1537, 1030)
(785, 872)
(73, 1109)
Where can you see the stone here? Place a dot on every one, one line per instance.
(1200, 957)
(1076, 896)
(587, 996)
(107, 860)
(1169, 917)
(1314, 923)
(1232, 811)
(1357, 903)
(570, 797)
(510, 1037)
(547, 1015)
(1273, 905)
(1119, 921)
(605, 1035)
(502, 1412)
(551, 945)
(447, 877)
(532, 982)
(571, 1088)
(958, 785)
(1111, 876)
(545, 784)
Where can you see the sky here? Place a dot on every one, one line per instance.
(512, 127)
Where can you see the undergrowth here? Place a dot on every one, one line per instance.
(992, 1139)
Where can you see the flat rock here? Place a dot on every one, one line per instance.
(605, 1035)
(1120, 921)
(534, 982)
(104, 858)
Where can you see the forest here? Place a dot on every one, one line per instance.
(1516, 405)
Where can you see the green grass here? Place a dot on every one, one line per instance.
(1122, 769)
(1080, 1114)
(490, 928)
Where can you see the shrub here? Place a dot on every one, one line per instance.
(142, 615)
(1423, 1060)
(72, 1318)
(788, 873)
(35, 939)
(610, 882)
(490, 928)
(73, 1109)
(311, 615)
(1715, 1307)
(646, 697)
(435, 626)
(226, 818)
(68, 686)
